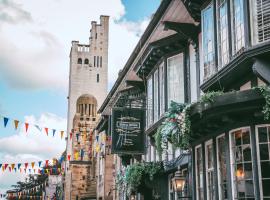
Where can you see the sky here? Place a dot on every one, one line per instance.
(35, 38)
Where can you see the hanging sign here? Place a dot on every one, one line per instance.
(127, 131)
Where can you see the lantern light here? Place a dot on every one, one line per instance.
(178, 181)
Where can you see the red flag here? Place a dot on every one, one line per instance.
(25, 165)
(47, 162)
(46, 130)
(68, 157)
(9, 168)
(26, 127)
(51, 171)
(6, 165)
(70, 135)
(39, 171)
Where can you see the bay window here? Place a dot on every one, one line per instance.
(263, 148)
(199, 172)
(222, 19)
(241, 164)
(208, 41)
(175, 79)
(238, 31)
(210, 184)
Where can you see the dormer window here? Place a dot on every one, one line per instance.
(208, 41)
(79, 61)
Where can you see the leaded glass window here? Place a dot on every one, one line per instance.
(208, 41)
(238, 25)
(149, 101)
(222, 168)
(241, 165)
(222, 19)
(175, 79)
(210, 184)
(263, 146)
(156, 96)
(199, 172)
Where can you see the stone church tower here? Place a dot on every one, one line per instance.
(88, 80)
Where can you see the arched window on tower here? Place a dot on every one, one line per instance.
(100, 61)
(97, 61)
(79, 61)
(97, 78)
(86, 61)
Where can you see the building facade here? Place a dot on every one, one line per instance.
(87, 89)
(211, 56)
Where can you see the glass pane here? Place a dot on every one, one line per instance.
(161, 89)
(262, 134)
(246, 137)
(264, 153)
(156, 96)
(248, 170)
(247, 153)
(149, 101)
(266, 188)
(265, 169)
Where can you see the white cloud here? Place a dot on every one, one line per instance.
(36, 38)
(31, 146)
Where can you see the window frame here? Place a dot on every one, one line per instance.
(258, 156)
(197, 173)
(212, 169)
(232, 163)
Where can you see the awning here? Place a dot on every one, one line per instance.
(181, 160)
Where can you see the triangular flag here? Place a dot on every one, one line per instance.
(62, 134)
(5, 121)
(68, 157)
(12, 166)
(9, 168)
(1, 165)
(19, 165)
(51, 171)
(6, 165)
(3, 168)
(34, 170)
(29, 170)
(26, 127)
(25, 165)
(37, 126)
(77, 136)
(15, 169)
(47, 171)
(33, 164)
(46, 130)
(16, 123)
(70, 135)
(47, 163)
(21, 170)
(39, 163)
(53, 132)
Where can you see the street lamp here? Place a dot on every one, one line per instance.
(178, 181)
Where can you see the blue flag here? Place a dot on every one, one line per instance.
(5, 121)
(53, 133)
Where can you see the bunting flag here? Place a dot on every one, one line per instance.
(3, 168)
(15, 169)
(12, 166)
(47, 162)
(26, 127)
(62, 134)
(16, 123)
(54, 132)
(69, 157)
(33, 164)
(1, 165)
(46, 131)
(76, 155)
(5, 121)
(25, 165)
(82, 153)
(19, 165)
(70, 135)
(77, 136)
(9, 168)
(39, 163)
(38, 128)
(6, 165)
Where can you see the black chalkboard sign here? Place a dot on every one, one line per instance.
(127, 131)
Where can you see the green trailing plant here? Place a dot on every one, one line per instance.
(265, 91)
(135, 175)
(209, 97)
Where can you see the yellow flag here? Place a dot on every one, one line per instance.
(76, 155)
(104, 137)
(16, 123)
(12, 166)
(3, 168)
(33, 164)
(62, 134)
